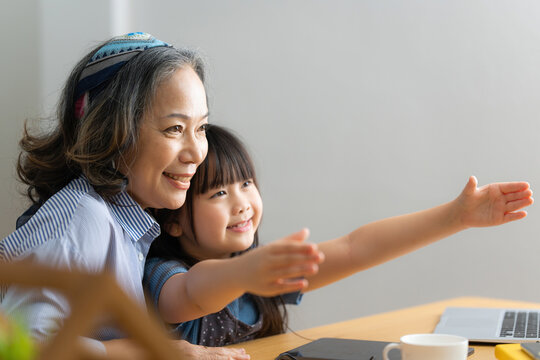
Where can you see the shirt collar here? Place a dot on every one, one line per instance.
(133, 219)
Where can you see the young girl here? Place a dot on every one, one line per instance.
(215, 286)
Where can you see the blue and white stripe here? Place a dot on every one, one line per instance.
(76, 228)
(53, 218)
(132, 218)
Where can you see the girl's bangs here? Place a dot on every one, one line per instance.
(226, 163)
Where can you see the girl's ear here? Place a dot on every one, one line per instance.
(173, 228)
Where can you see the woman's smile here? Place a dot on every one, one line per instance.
(179, 181)
(172, 143)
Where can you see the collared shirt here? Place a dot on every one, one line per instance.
(76, 228)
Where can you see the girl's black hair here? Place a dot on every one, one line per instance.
(227, 162)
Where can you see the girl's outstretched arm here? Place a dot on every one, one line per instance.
(210, 285)
(383, 240)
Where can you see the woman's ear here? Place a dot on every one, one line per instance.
(173, 228)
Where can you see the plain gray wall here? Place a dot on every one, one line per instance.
(354, 111)
(19, 97)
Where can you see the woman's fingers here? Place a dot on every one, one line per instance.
(189, 351)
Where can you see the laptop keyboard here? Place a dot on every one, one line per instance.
(520, 324)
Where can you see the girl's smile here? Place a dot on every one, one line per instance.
(241, 226)
(225, 220)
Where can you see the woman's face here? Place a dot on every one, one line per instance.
(172, 143)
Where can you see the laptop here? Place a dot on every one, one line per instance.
(491, 325)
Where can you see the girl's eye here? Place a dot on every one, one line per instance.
(218, 194)
(247, 183)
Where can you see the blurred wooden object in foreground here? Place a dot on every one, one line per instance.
(90, 296)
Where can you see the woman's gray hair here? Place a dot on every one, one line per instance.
(95, 144)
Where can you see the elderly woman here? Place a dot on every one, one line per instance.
(130, 135)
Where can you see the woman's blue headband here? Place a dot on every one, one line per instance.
(108, 60)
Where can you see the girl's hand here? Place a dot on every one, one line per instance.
(493, 204)
(280, 267)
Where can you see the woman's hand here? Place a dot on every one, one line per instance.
(189, 351)
(493, 204)
(128, 349)
(279, 267)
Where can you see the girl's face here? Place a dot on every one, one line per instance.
(225, 220)
(172, 143)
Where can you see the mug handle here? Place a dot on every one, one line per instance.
(387, 349)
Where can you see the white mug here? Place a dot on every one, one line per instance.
(430, 347)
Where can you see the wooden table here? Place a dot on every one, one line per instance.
(388, 326)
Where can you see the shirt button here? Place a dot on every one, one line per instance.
(141, 257)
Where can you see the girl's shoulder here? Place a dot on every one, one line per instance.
(156, 273)
(164, 265)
